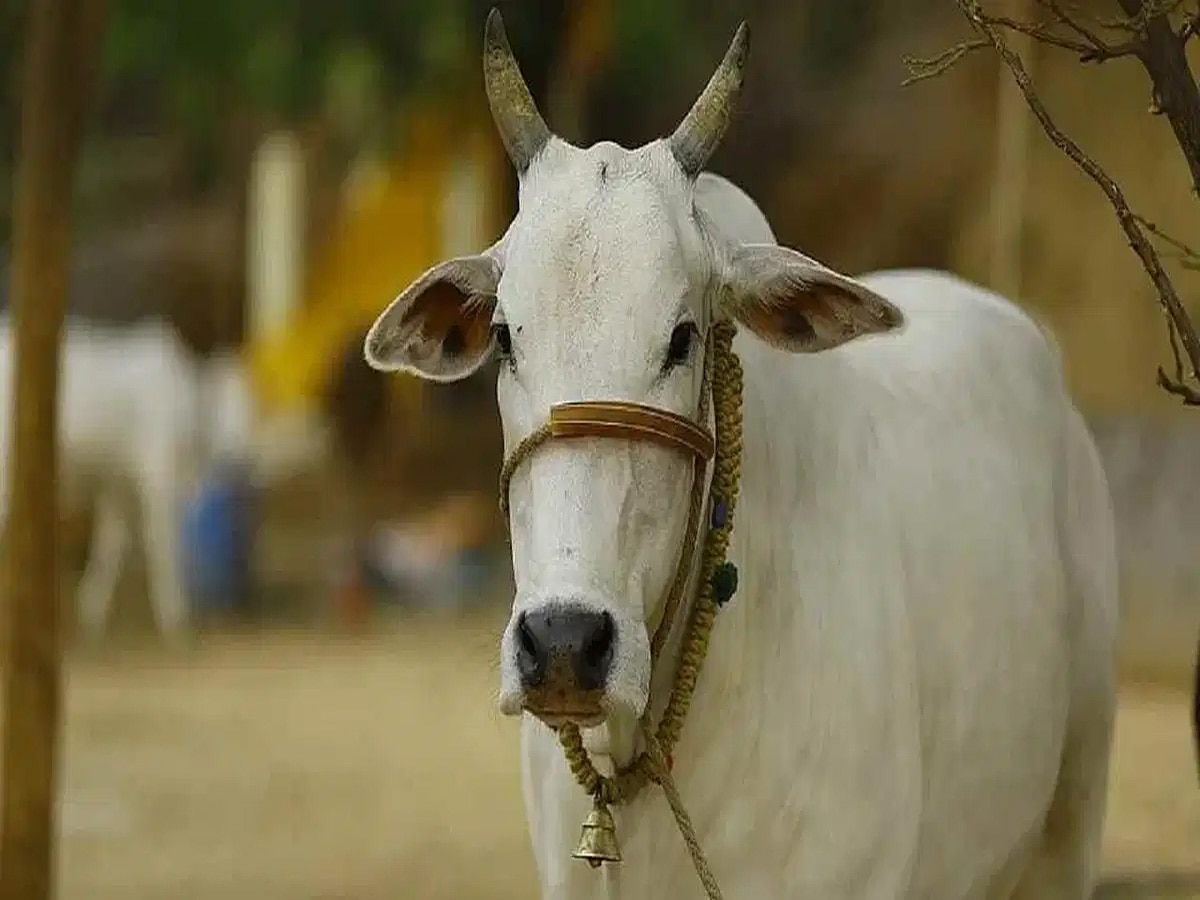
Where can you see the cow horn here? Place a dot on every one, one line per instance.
(702, 128)
(521, 126)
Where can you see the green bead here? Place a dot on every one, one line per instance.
(724, 583)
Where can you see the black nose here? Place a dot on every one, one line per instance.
(566, 644)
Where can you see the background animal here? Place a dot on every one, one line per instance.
(143, 423)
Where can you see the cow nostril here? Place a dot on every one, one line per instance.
(525, 636)
(531, 655)
(597, 650)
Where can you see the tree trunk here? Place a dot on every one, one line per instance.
(1164, 57)
(60, 54)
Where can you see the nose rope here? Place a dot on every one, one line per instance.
(722, 379)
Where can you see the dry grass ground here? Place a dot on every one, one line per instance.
(295, 767)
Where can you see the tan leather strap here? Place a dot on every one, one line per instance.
(630, 421)
(613, 419)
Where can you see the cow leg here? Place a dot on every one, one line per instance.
(1065, 863)
(161, 524)
(109, 541)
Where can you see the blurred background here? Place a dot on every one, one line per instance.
(265, 176)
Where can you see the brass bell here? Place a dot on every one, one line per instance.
(598, 838)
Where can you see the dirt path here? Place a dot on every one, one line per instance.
(297, 768)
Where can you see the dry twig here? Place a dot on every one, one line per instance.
(1178, 385)
(1145, 21)
(1139, 14)
(920, 68)
(1088, 45)
(1100, 50)
(1186, 256)
(1180, 322)
(1151, 38)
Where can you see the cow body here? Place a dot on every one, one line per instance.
(912, 693)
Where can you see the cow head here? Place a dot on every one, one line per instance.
(603, 287)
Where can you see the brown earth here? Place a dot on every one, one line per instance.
(300, 767)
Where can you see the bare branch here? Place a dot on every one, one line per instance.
(1096, 49)
(920, 68)
(1139, 13)
(1178, 385)
(1174, 93)
(1189, 395)
(1087, 45)
(1041, 31)
(1070, 22)
(1141, 245)
(1186, 256)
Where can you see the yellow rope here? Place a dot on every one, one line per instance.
(520, 453)
(723, 379)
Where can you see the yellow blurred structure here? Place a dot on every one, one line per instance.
(441, 197)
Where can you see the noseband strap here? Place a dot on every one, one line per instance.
(631, 421)
(618, 419)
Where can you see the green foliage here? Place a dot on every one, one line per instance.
(273, 58)
(192, 68)
(650, 38)
(680, 40)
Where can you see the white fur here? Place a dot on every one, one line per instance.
(911, 694)
(139, 416)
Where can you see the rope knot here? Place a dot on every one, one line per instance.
(606, 791)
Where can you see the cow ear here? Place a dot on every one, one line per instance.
(795, 303)
(439, 327)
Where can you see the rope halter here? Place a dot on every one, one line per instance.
(722, 383)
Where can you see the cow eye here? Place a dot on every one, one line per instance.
(503, 338)
(680, 347)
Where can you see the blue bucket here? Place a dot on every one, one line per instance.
(218, 532)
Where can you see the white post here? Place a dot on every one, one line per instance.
(275, 234)
(464, 205)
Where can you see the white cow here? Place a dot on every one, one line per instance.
(912, 693)
(141, 419)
